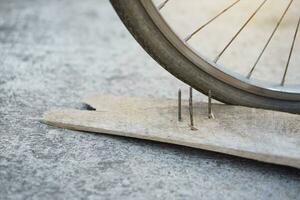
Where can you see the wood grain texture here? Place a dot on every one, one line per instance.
(268, 136)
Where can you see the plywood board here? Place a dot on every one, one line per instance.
(267, 136)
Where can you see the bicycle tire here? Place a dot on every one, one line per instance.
(148, 35)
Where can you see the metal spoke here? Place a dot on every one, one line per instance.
(249, 22)
(162, 4)
(270, 38)
(211, 20)
(240, 30)
(290, 54)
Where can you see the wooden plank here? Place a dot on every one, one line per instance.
(267, 136)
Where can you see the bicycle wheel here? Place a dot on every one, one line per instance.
(178, 55)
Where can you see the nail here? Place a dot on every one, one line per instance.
(179, 106)
(210, 113)
(191, 109)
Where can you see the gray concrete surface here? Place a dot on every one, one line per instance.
(54, 52)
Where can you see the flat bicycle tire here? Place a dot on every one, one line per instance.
(148, 35)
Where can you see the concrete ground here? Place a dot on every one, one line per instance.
(54, 52)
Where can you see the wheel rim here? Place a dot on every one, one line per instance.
(212, 67)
